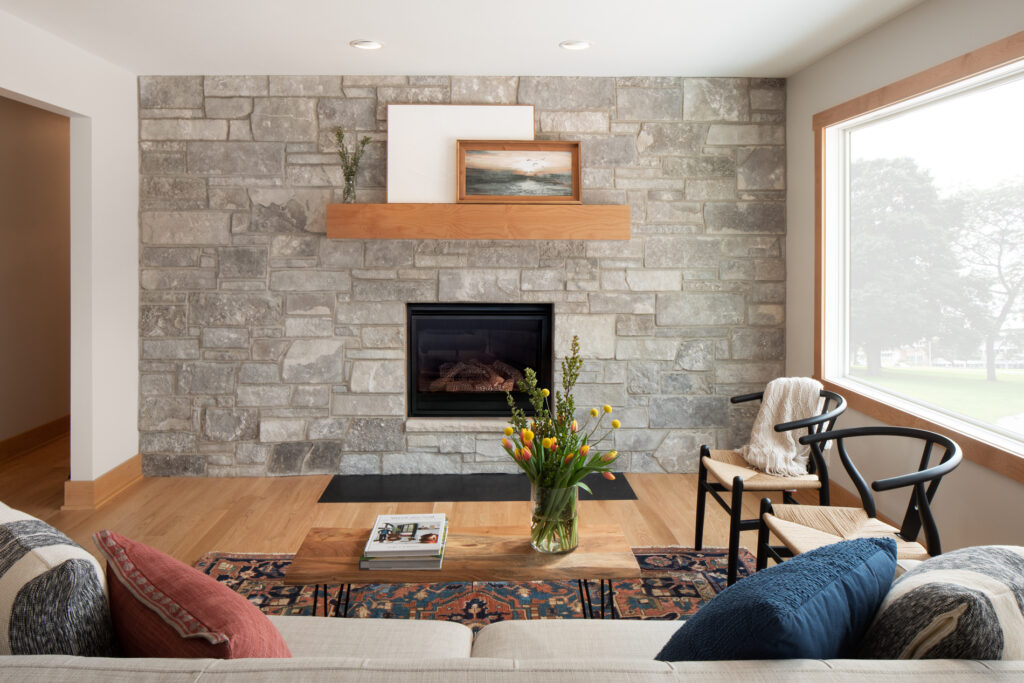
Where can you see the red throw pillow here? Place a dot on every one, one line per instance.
(163, 608)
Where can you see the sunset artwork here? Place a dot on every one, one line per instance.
(527, 173)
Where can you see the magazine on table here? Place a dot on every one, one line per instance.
(407, 536)
(401, 563)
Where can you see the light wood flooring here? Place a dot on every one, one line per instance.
(187, 517)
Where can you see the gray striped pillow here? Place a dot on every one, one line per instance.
(965, 604)
(53, 597)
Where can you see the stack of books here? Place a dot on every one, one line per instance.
(399, 542)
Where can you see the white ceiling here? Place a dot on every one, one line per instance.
(771, 38)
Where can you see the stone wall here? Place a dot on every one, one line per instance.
(268, 349)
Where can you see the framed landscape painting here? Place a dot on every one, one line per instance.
(514, 171)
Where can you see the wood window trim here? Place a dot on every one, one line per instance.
(992, 56)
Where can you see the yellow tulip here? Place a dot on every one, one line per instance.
(593, 412)
(609, 456)
(574, 427)
(508, 431)
(616, 424)
(607, 408)
(584, 449)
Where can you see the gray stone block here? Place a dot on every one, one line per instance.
(752, 217)
(690, 412)
(164, 465)
(383, 337)
(183, 92)
(287, 458)
(699, 166)
(314, 361)
(289, 210)
(162, 162)
(746, 134)
(747, 372)
(543, 280)
(596, 333)
(228, 107)
(629, 440)
(680, 450)
(170, 349)
(696, 355)
(479, 285)
(225, 338)
(773, 99)
(676, 383)
(484, 89)
(178, 278)
(574, 122)
(263, 395)
(231, 86)
(308, 327)
(162, 321)
(762, 168)
(370, 313)
(613, 150)
(242, 262)
(294, 246)
(206, 378)
(235, 158)
(229, 309)
(360, 463)
(167, 442)
(324, 458)
(186, 227)
(274, 430)
(757, 344)
(692, 308)
(348, 114)
(390, 290)
(230, 424)
(375, 434)
(388, 253)
(155, 385)
(310, 281)
(183, 129)
(767, 314)
(310, 304)
(328, 428)
(269, 349)
(410, 95)
(259, 373)
(421, 463)
(341, 253)
(705, 189)
(252, 453)
(716, 99)
(291, 119)
(613, 302)
(311, 397)
(240, 130)
(172, 192)
(567, 93)
(646, 349)
(284, 86)
(671, 138)
(377, 377)
(164, 413)
(384, 404)
(649, 104)
(642, 377)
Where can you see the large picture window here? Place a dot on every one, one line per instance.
(921, 236)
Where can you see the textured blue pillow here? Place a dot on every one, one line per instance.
(815, 606)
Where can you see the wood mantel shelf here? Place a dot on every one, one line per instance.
(478, 221)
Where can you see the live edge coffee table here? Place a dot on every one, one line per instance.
(329, 556)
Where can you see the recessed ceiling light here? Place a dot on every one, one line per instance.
(574, 44)
(367, 44)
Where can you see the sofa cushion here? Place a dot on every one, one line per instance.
(966, 604)
(590, 638)
(336, 637)
(163, 608)
(53, 597)
(816, 605)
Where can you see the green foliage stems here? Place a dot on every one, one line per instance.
(350, 160)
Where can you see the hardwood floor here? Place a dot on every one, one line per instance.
(187, 517)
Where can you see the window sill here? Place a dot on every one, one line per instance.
(1000, 458)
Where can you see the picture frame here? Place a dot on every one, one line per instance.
(517, 172)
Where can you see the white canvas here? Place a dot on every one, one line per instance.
(421, 144)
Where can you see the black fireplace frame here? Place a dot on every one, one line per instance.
(435, 404)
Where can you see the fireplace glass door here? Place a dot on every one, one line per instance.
(464, 357)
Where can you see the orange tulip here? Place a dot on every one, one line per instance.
(526, 453)
(569, 457)
(608, 475)
(584, 449)
(507, 444)
(574, 427)
(609, 456)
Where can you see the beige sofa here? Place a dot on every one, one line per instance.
(444, 652)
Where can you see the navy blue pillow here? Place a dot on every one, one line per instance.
(814, 606)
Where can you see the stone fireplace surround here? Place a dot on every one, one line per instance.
(269, 349)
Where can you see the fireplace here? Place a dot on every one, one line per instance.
(462, 358)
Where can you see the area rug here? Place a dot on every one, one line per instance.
(423, 488)
(675, 583)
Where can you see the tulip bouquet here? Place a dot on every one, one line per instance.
(556, 453)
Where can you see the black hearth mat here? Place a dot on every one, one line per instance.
(422, 488)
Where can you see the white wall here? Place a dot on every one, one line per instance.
(41, 69)
(974, 505)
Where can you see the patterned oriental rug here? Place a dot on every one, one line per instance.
(675, 583)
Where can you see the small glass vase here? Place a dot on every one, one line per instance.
(348, 193)
(554, 525)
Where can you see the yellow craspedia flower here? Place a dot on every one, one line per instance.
(545, 393)
(607, 408)
(528, 436)
(616, 424)
(593, 412)
(546, 443)
(508, 431)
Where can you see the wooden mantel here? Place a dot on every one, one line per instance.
(478, 221)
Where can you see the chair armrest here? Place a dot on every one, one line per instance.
(743, 398)
(940, 470)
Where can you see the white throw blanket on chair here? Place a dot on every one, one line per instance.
(779, 453)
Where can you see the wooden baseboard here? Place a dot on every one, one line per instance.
(34, 438)
(89, 495)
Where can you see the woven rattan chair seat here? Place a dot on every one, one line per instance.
(724, 465)
(805, 527)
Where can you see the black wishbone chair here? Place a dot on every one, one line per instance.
(800, 531)
(722, 470)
